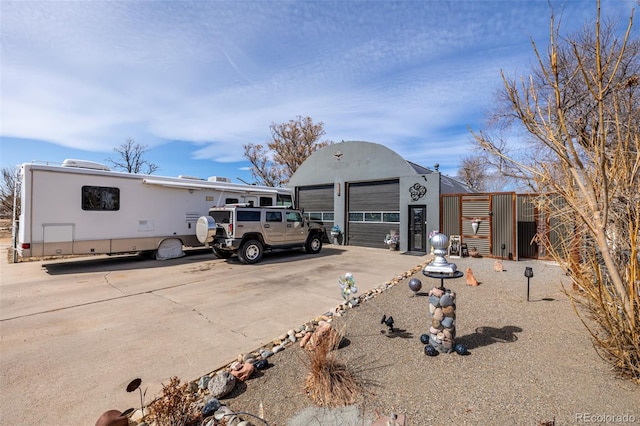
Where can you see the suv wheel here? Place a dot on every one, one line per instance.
(250, 252)
(314, 244)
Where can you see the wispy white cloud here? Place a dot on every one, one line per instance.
(217, 74)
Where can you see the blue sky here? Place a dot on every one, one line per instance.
(195, 80)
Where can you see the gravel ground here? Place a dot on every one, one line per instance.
(530, 362)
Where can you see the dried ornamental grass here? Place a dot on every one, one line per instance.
(176, 407)
(330, 382)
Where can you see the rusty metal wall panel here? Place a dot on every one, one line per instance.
(526, 207)
(450, 215)
(476, 206)
(527, 219)
(507, 218)
(502, 225)
(560, 229)
(481, 244)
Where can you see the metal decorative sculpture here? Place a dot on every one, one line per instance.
(388, 321)
(417, 191)
(348, 287)
(442, 303)
(440, 243)
(415, 285)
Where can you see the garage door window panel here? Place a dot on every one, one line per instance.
(375, 217)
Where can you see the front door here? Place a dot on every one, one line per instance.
(418, 228)
(275, 229)
(296, 232)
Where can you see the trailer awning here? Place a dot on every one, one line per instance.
(245, 189)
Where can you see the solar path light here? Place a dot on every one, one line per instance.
(528, 272)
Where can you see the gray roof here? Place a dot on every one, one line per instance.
(448, 185)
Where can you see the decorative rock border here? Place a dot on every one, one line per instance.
(221, 381)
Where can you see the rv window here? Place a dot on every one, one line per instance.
(231, 201)
(100, 198)
(284, 200)
(266, 201)
(248, 216)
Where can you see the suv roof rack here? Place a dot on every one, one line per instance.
(239, 205)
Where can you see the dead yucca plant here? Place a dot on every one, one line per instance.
(330, 382)
(176, 407)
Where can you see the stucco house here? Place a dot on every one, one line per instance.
(369, 192)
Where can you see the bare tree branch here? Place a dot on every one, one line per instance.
(291, 143)
(131, 158)
(581, 108)
(9, 179)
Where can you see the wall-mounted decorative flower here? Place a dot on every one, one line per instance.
(475, 224)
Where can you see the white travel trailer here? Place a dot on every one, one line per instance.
(82, 207)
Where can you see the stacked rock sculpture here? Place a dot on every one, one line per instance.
(442, 332)
(442, 307)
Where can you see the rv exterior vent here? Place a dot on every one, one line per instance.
(219, 179)
(82, 164)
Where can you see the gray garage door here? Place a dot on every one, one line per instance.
(317, 202)
(373, 212)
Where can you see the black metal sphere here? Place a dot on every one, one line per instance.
(415, 284)
(430, 350)
(461, 350)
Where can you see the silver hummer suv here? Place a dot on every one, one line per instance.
(249, 231)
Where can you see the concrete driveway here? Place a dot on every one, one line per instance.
(75, 332)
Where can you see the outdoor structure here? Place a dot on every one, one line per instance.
(370, 192)
(502, 224)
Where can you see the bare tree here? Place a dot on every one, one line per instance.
(7, 187)
(131, 158)
(481, 173)
(291, 143)
(473, 173)
(580, 108)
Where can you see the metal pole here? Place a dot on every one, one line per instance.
(528, 279)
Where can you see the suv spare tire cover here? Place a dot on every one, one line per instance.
(205, 229)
